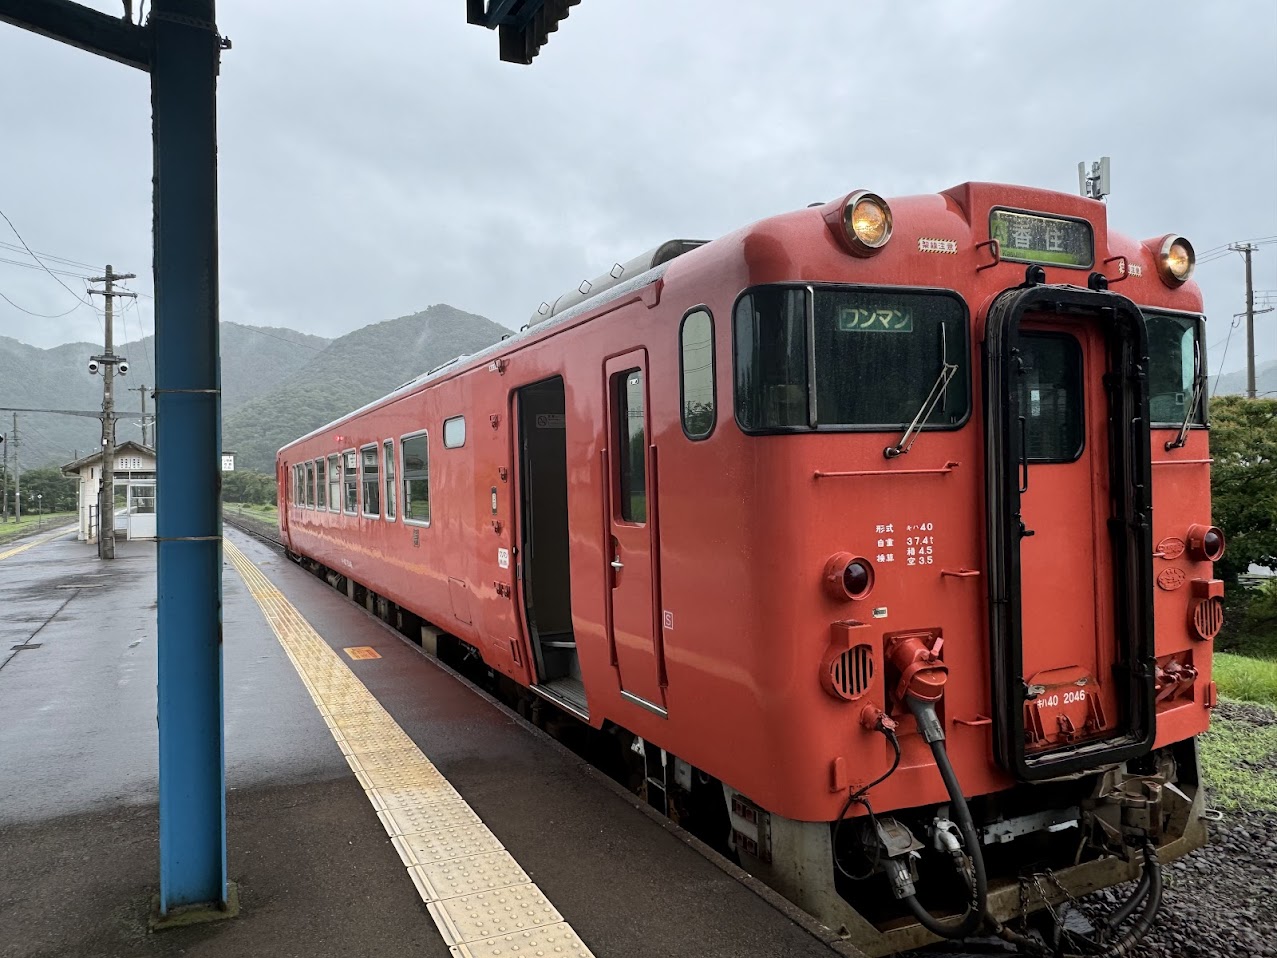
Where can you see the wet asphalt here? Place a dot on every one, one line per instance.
(316, 873)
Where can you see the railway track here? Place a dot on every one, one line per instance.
(253, 527)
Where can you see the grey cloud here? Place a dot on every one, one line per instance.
(374, 163)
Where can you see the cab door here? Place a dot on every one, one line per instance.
(1066, 566)
(631, 545)
(1069, 530)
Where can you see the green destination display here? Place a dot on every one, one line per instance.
(1048, 240)
(877, 319)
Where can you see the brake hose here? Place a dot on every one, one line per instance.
(933, 732)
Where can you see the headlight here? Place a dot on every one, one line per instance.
(1175, 260)
(866, 221)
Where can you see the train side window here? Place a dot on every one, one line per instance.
(1175, 369)
(334, 483)
(1051, 400)
(415, 453)
(631, 445)
(454, 432)
(389, 447)
(310, 485)
(299, 488)
(771, 359)
(320, 484)
(369, 456)
(350, 481)
(696, 362)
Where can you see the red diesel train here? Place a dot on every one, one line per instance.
(878, 532)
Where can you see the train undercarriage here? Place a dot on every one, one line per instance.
(1042, 846)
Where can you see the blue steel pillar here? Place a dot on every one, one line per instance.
(184, 59)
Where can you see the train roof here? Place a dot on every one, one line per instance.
(466, 361)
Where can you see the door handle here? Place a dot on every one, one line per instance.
(1024, 457)
(617, 563)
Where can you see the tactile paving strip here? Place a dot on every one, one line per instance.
(483, 903)
(558, 940)
(504, 911)
(467, 876)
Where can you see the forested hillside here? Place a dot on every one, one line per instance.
(254, 360)
(351, 371)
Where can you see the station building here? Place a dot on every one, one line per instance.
(134, 491)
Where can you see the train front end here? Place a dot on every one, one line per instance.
(986, 415)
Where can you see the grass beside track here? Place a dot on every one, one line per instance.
(1239, 759)
(1246, 678)
(268, 514)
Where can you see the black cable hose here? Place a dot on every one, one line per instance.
(858, 797)
(1127, 908)
(978, 906)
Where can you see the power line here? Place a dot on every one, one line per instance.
(60, 272)
(1222, 359)
(40, 315)
(49, 256)
(40, 261)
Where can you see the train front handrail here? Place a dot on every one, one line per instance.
(940, 471)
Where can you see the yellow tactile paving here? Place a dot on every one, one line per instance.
(36, 542)
(483, 903)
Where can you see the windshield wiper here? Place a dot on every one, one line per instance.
(938, 388)
(1199, 381)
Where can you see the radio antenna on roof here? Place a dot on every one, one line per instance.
(1095, 184)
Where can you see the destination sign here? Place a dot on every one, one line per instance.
(875, 319)
(1046, 240)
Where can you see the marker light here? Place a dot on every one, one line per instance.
(866, 221)
(1175, 260)
(848, 576)
(1205, 543)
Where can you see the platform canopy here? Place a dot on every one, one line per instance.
(523, 26)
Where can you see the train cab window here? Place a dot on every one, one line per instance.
(334, 483)
(310, 485)
(415, 454)
(1175, 369)
(875, 357)
(389, 446)
(1051, 400)
(454, 432)
(320, 484)
(369, 456)
(632, 445)
(696, 362)
(350, 481)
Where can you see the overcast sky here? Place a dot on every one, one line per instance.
(376, 158)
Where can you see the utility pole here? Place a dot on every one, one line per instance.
(4, 481)
(1246, 249)
(109, 364)
(142, 391)
(17, 473)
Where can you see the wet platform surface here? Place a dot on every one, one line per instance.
(316, 871)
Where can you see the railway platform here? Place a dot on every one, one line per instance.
(377, 803)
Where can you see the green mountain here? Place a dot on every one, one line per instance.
(1234, 384)
(254, 360)
(351, 371)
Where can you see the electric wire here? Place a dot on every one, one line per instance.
(1227, 342)
(29, 312)
(40, 261)
(860, 797)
